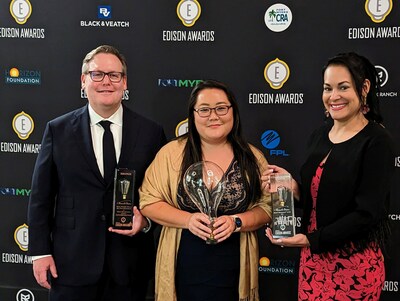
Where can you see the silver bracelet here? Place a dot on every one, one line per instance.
(147, 229)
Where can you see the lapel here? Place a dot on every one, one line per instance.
(80, 125)
(130, 133)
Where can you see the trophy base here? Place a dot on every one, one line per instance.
(211, 241)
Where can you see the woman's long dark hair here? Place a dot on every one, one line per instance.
(246, 160)
(361, 69)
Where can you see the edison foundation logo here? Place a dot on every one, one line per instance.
(22, 77)
(378, 10)
(188, 12)
(21, 237)
(21, 10)
(278, 17)
(182, 128)
(23, 125)
(276, 73)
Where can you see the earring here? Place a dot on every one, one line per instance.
(327, 114)
(364, 106)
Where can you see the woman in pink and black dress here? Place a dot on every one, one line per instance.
(345, 186)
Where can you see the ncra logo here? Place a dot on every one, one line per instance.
(270, 139)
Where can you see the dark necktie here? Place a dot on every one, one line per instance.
(109, 158)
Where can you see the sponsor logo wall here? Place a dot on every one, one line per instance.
(270, 53)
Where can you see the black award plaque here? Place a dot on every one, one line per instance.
(122, 215)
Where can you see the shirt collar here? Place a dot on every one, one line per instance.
(115, 118)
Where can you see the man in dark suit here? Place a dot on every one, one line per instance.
(77, 255)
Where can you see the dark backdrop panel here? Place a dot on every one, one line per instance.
(161, 72)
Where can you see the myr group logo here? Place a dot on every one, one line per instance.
(378, 10)
(178, 83)
(104, 12)
(22, 77)
(276, 73)
(270, 139)
(278, 17)
(21, 10)
(188, 12)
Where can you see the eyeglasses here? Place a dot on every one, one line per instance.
(98, 76)
(206, 112)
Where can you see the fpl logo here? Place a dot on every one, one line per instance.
(270, 139)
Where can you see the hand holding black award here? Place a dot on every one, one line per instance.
(124, 182)
(204, 182)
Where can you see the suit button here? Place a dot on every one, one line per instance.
(103, 217)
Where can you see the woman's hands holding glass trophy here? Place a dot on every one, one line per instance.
(204, 183)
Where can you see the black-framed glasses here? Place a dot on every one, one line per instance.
(98, 76)
(206, 111)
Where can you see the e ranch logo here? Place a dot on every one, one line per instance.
(22, 77)
(383, 75)
(188, 11)
(21, 11)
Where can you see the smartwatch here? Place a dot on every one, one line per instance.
(238, 223)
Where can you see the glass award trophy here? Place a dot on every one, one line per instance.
(204, 182)
(122, 214)
(283, 219)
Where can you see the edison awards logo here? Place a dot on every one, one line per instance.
(378, 10)
(23, 125)
(276, 73)
(21, 10)
(188, 11)
(182, 128)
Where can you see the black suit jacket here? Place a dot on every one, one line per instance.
(70, 203)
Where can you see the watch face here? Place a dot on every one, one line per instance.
(238, 222)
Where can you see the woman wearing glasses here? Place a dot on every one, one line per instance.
(187, 268)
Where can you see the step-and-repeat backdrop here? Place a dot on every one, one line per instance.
(270, 53)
